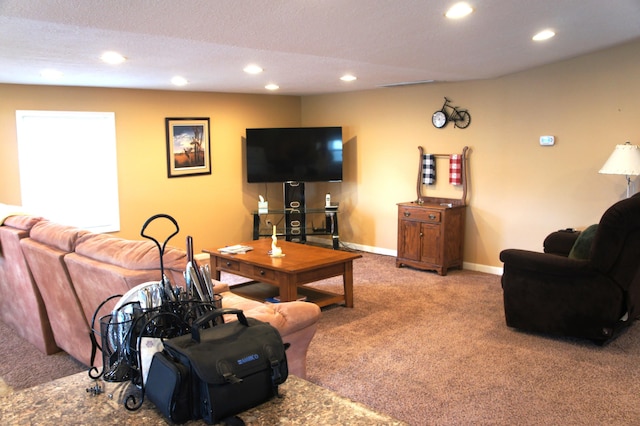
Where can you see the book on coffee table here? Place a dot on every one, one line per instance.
(236, 249)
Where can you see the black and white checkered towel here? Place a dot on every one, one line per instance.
(428, 169)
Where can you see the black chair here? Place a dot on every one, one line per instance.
(593, 297)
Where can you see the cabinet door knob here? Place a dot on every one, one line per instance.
(407, 214)
(421, 234)
(228, 263)
(432, 216)
(261, 272)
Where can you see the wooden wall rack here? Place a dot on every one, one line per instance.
(462, 201)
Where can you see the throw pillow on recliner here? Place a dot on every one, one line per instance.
(582, 247)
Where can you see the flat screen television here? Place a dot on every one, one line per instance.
(298, 154)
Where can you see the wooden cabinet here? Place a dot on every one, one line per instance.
(430, 236)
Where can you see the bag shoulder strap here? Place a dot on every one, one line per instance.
(276, 375)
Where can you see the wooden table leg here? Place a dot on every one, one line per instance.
(213, 269)
(347, 278)
(288, 290)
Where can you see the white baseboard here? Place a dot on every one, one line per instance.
(371, 249)
(494, 270)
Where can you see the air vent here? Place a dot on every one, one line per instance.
(407, 83)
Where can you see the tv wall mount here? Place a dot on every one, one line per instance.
(460, 117)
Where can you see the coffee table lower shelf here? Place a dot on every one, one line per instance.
(262, 291)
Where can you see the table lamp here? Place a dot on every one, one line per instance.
(624, 160)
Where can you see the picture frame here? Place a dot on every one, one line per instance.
(188, 146)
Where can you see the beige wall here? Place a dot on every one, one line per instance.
(519, 191)
(211, 208)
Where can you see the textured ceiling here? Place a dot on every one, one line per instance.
(304, 46)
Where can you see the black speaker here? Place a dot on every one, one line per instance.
(294, 212)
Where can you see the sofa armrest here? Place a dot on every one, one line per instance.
(545, 263)
(292, 317)
(219, 287)
(296, 322)
(287, 317)
(560, 242)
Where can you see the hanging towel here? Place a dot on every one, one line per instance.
(455, 169)
(428, 169)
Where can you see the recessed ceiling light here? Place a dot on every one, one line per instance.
(543, 35)
(179, 81)
(253, 69)
(272, 86)
(348, 77)
(459, 10)
(113, 58)
(51, 74)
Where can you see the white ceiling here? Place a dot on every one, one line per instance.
(304, 46)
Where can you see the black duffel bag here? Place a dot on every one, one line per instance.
(215, 373)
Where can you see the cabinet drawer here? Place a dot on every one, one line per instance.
(419, 214)
(257, 272)
(227, 265)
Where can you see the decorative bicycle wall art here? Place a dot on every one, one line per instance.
(460, 117)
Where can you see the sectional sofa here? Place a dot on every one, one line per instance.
(53, 277)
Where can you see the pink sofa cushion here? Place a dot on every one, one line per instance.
(61, 237)
(103, 265)
(128, 254)
(23, 222)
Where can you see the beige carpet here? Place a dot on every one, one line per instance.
(434, 350)
(22, 365)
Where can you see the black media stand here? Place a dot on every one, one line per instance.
(296, 217)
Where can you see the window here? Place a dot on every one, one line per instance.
(68, 167)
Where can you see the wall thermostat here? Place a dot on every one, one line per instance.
(547, 140)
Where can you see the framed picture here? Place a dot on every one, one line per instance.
(188, 147)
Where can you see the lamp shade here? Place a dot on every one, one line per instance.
(624, 160)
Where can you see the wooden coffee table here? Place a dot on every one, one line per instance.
(284, 277)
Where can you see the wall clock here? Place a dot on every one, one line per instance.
(439, 119)
(460, 117)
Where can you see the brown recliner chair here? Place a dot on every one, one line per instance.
(593, 297)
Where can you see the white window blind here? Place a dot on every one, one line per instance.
(68, 167)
